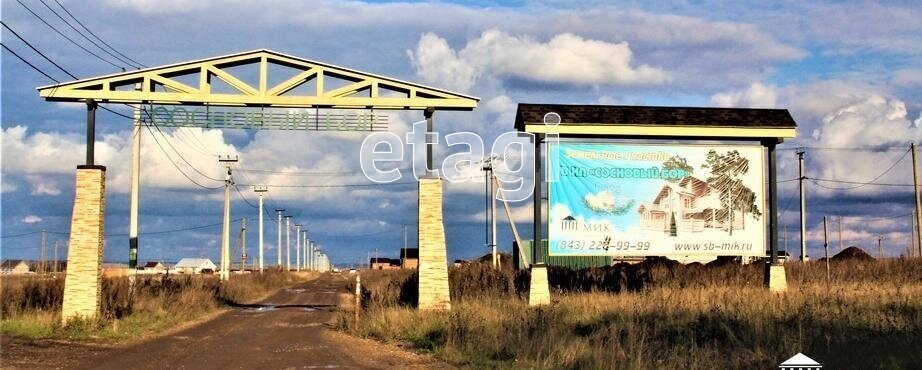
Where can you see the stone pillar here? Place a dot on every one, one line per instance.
(539, 293)
(433, 260)
(82, 285)
(776, 278)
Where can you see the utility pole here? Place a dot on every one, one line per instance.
(298, 248)
(304, 243)
(915, 192)
(42, 263)
(225, 239)
(826, 248)
(279, 245)
(134, 189)
(491, 197)
(880, 247)
(261, 190)
(287, 243)
(243, 244)
(54, 268)
(803, 216)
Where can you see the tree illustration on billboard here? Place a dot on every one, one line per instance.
(677, 163)
(726, 170)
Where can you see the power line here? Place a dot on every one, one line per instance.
(97, 37)
(237, 188)
(174, 163)
(65, 36)
(27, 62)
(814, 180)
(36, 50)
(861, 184)
(83, 35)
(165, 138)
(39, 70)
(126, 234)
(19, 235)
(337, 185)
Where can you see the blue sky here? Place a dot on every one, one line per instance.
(849, 72)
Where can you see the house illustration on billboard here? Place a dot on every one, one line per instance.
(693, 203)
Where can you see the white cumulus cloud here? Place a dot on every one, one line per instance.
(564, 59)
(31, 219)
(757, 95)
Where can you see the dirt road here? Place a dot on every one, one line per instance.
(290, 330)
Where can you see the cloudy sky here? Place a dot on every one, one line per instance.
(849, 72)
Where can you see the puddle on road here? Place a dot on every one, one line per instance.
(261, 308)
(308, 309)
(296, 291)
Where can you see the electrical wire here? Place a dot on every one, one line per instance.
(84, 36)
(94, 35)
(159, 232)
(237, 188)
(36, 50)
(337, 185)
(176, 165)
(65, 36)
(860, 184)
(27, 62)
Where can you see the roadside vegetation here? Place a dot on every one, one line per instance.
(31, 306)
(658, 314)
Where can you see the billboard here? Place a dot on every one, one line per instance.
(656, 200)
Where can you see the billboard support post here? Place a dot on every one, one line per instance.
(539, 290)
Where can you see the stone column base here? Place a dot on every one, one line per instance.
(539, 292)
(434, 293)
(82, 284)
(775, 278)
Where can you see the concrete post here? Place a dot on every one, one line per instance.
(287, 243)
(298, 248)
(82, 284)
(433, 263)
(278, 246)
(134, 191)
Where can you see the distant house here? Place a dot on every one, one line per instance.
(154, 267)
(693, 204)
(409, 258)
(14, 267)
(459, 263)
(377, 263)
(195, 266)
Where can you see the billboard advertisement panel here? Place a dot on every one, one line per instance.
(656, 200)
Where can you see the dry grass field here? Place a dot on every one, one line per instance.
(659, 315)
(31, 305)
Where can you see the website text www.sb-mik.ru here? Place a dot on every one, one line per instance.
(711, 246)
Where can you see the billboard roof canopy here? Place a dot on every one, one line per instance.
(626, 120)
